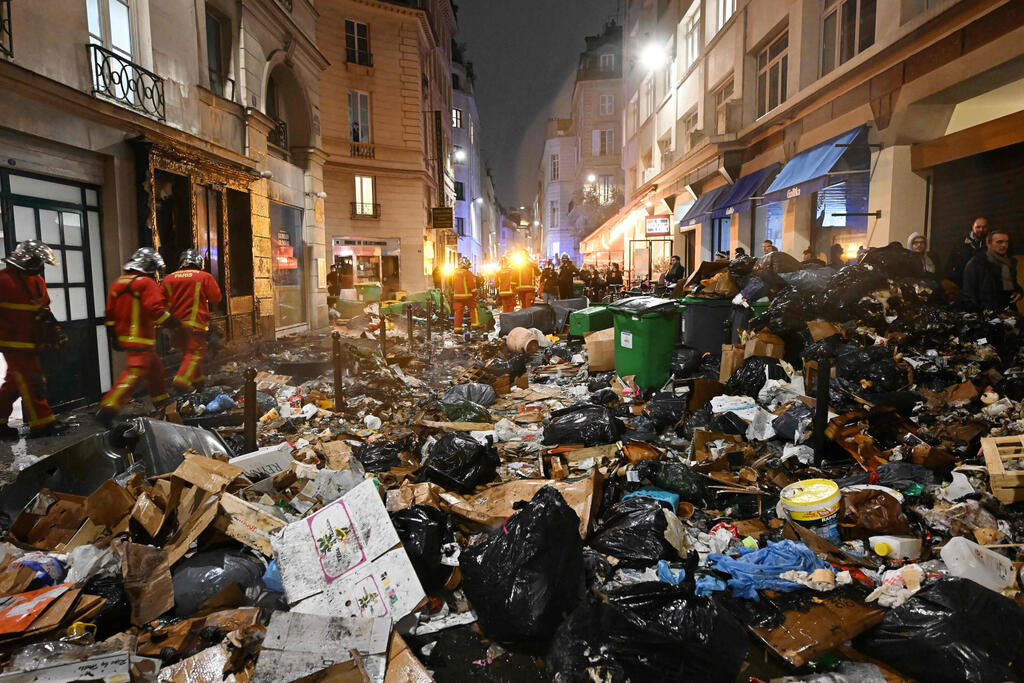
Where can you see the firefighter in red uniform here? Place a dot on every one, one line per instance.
(190, 291)
(507, 281)
(135, 306)
(26, 327)
(527, 273)
(464, 296)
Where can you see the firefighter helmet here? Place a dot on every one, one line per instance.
(145, 260)
(464, 262)
(191, 258)
(31, 256)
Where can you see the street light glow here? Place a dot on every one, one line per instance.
(536, 224)
(460, 155)
(591, 178)
(653, 57)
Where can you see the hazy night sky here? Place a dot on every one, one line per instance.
(524, 53)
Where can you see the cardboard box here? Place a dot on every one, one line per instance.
(54, 522)
(601, 350)
(246, 523)
(765, 344)
(733, 356)
(266, 461)
(346, 560)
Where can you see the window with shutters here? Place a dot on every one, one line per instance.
(606, 62)
(606, 138)
(357, 43)
(606, 189)
(607, 105)
(847, 29)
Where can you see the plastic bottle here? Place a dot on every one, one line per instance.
(896, 547)
(969, 560)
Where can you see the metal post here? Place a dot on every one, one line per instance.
(412, 330)
(821, 406)
(251, 410)
(430, 317)
(384, 337)
(339, 388)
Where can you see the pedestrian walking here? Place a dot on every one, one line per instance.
(567, 272)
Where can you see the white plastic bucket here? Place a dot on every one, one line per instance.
(814, 503)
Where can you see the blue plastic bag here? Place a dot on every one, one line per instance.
(760, 569)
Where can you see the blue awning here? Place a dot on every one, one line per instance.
(809, 170)
(704, 204)
(741, 192)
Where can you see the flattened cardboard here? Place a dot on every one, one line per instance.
(347, 555)
(206, 473)
(147, 582)
(190, 530)
(148, 514)
(247, 524)
(703, 391)
(109, 504)
(764, 344)
(803, 636)
(299, 645)
(403, 665)
(821, 329)
(113, 666)
(49, 521)
(17, 612)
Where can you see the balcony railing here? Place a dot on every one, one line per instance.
(6, 37)
(364, 210)
(222, 85)
(361, 150)
(117, 78)
(360, 57)
(278, 135)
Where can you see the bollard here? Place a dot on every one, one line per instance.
(339, 387)
(821, 406)
(384, 338)
(412, 330)
(430, 317)
(251, 410)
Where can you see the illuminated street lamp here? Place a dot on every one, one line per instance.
(591, 178)
(653, 56)
(460, 155)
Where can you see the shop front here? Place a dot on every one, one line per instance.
(367, 261)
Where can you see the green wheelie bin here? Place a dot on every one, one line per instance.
(645, 338)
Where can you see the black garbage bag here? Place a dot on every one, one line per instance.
(794, 423)
(841, 300)
(425, 531)
(116, 613)
(739, 270)
(809, 280)
(587, 424)
(899, 475)
(953, 630)
(728, 423)
(525, 578)
(465, 411)
(378, 456)
(665, 410)
(647, 632)
(698, 419)
(870, 371)
(787, 314)
(604, 397)
(600, 381)
(200, 577)
(673, 476)
(644, 429)
(748, 378)
(517, 365)
(685, 360)
(710, 364)
(634, 533)
(755, 289)
(893, 261)
(458, 462)
(481, 394)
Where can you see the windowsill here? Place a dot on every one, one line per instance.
(279, 152)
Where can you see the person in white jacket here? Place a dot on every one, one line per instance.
(917, 244)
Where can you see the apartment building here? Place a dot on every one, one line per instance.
(580, 177)
(816, 122)
(174, 124)
(473, 202)
(387, 139)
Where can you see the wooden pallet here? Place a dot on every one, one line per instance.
(1007, 486)
(474, 373)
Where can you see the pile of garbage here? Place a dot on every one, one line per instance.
(503, 510)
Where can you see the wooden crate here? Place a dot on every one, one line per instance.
(1007, 486)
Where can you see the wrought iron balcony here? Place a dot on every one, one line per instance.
(117, 78)
(364, 210)
(278, 135)
(361, 150)
(360, 57)
(6, 37)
